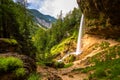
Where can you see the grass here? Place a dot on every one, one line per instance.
(104, 45)
(68, 65)
(61, 47)
(34, 76)
(108, 70)
(107, 65)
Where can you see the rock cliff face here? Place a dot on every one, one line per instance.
(102, 17)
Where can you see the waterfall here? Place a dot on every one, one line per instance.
(78, 50)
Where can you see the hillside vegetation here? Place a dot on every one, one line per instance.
(60, 39)
(31, 52)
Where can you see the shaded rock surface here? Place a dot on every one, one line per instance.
(102, 17)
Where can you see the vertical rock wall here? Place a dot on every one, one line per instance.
(102, 17)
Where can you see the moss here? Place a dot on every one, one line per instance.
(20, 72)
(10, 64)
(9, 41)
(34, 76)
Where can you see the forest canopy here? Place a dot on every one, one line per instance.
(15, 23)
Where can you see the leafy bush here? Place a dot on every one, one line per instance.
(10, 63)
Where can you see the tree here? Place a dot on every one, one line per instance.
(13, 25)
(45, 40)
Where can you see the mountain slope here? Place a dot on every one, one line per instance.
(100, 55)
(41, 19)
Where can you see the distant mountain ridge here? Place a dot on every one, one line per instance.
(41, 19)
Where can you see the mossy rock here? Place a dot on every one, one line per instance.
(14, 66)
(8, 45)
(8, 41)
(11, 68)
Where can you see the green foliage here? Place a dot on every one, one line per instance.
(70, 58)
(87, 69)
(106, 65)
(20, 72)
(16, 24)
(52, 41)
(68, 65)
(77, 69)
(10, 63)
(59, 64)
(104, 45)
(61, 47)
(55, 64)
(106, 70)
(10, 41)
(34, 76)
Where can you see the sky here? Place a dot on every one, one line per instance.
(52, 7)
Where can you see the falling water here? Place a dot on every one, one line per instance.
(78, 50)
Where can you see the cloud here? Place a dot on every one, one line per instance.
(53, 7)
(35, 4)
